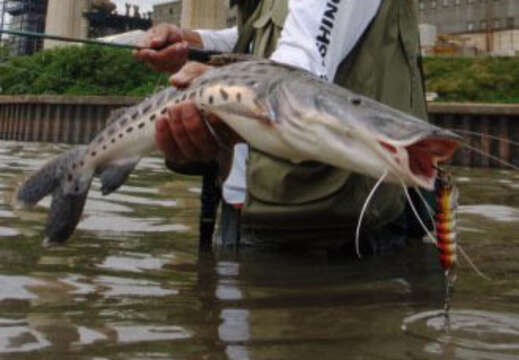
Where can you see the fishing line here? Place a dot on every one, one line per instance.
(364, 208)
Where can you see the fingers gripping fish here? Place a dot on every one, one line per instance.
(278, 109)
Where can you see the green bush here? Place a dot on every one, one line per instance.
(78, 70)
(484, 79)
(97, 70)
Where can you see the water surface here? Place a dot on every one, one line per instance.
(131, 284)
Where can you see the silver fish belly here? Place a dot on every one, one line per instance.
(277, 109)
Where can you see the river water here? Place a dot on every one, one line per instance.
(131, 284)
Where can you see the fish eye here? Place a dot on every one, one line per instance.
(356, 101)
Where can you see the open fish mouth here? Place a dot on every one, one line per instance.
(416, 162)
(424, 156)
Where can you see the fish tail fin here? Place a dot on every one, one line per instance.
(68, 179)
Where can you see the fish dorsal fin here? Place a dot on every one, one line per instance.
(229, 58)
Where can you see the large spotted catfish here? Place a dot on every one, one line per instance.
(277, 109)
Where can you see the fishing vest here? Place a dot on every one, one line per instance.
(384, 65)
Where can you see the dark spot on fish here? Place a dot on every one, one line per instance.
(251, 83)
(113, 140)
(120, 135)
(70, 177)
(141, 125)
(203, 82)
(192, 95)
(201, 92)
(129, 130)
(177, 101)
(135, 115)
(184, 97)
(211, 99)
(163, 111)
(76, 188)
(93, 153)
(146, 109)
(152, 117)
(111, 130)
(104, 147)
(238, 97)
(74, 166)
(81, 163)
(356, 101)
(123, 121)
(224, 94)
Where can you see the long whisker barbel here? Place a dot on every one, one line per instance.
(493, 137)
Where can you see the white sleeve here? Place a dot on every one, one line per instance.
(319, 34)
(219, 40)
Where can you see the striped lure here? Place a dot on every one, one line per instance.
(445, 219)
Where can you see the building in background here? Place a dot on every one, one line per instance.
(472, 26)
(91, 18)
(23, 15)
(168, 12)
(207, 14)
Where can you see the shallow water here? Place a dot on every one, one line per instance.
(131, 284)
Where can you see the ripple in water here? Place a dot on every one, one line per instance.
(467, 329)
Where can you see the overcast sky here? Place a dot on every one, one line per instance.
(145, 5)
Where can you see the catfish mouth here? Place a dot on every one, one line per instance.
(424, 156)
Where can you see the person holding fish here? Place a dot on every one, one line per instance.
(370, 47)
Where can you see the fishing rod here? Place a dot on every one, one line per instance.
(210, 196)
(193, 54)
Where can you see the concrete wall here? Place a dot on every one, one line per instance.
(206, 14)
(489, 26)
(76, 120)
(454, 16)
(64, 17)
(169, 12)
(58, 119)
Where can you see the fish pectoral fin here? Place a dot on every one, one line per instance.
(114, 174)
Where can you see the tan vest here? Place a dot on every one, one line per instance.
(384, 65)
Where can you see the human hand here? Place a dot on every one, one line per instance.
(183, 136)
(166, 47)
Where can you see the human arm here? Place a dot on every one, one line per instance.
(167, 45)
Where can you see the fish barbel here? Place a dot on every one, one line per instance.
(277, 109)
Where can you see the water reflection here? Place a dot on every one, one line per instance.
(131, 285)
(470, 334)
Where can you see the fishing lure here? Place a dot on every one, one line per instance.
(445, 219)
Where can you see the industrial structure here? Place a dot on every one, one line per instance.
(91, 18)
(484, 26)
(169, 12)
(23, 15)
(72, 18)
